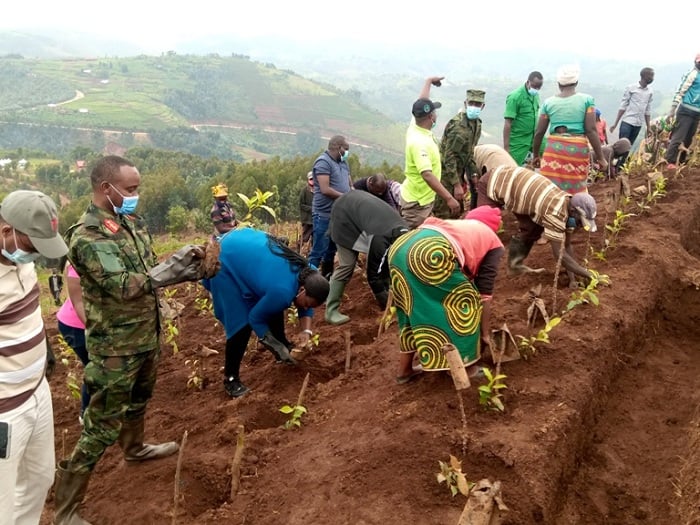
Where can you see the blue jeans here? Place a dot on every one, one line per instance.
(323, 249)
(630, 132)
(75, 337)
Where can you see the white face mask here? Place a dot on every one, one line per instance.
(19, 256)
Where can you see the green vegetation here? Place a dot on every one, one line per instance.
(209, 106)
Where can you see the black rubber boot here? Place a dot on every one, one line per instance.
(382, 298)
(327, 269)
(518, 250)
(131, 441)
(69, 493)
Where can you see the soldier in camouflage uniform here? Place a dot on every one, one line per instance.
(111, 250)
(459, 139)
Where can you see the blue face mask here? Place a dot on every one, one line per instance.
(473, 112)
(128, 203)
(19, 256)
(534, 92)
(345, 155)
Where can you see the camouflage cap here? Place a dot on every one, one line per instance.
(476, 95)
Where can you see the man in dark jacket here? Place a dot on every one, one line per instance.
(306, 199)
(361, 223)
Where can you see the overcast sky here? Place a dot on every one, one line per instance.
(657, 33)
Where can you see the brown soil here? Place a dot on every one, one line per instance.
(598, 424)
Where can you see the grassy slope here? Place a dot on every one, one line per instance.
(147, 93)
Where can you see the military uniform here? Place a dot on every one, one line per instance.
(113, 255)
(459, 139)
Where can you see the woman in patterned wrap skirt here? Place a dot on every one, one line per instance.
(442, 277)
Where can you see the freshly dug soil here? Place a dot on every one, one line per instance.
(600, 426)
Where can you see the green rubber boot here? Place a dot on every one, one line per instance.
(335, 295)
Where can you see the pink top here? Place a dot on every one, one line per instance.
(67, 314)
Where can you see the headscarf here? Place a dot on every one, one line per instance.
(568, 74)
(491, 217)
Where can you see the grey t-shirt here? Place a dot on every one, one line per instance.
(339, 173)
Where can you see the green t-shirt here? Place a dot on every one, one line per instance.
(523, 110)
(568, 111)
(422, 154)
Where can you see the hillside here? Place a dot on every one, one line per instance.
(600, 425)
(232, 106)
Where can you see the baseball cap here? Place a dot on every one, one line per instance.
(585, 204)
(34, 214)
(424, 107)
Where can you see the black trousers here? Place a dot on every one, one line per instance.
(683, 132)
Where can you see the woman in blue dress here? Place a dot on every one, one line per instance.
(259, 279)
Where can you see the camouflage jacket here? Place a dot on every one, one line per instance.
(457, 149)
(112, 255)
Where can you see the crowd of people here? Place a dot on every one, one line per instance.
(431, 242)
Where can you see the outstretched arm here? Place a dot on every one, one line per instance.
(430, 81)
(567, 259)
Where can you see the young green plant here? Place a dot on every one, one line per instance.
(526, 345)
(490, 394)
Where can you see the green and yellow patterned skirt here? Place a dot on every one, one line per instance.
(435, 302)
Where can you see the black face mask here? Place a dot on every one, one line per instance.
(697, 65)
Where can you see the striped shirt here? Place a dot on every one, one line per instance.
(22, 335)
(525, 192)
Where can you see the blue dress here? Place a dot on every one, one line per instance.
(253, 285)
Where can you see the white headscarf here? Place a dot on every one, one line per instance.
(568, 74)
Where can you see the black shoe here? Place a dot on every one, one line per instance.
(234, 387)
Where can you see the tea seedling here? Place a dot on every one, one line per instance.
(195, 379)
(490, 394)
(292, 315)
(171, 333)
(254, 203)
(451, 474)
(203, 305)
(526, 345)
(295, 412)
(68, 359)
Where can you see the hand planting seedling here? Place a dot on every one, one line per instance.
(490, 394)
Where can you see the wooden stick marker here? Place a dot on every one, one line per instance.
(457, 370)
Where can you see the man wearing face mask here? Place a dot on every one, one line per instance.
(459, 139)
(331, 178)
(686, 110)
(423, 168)
(29, 228)
(520, 118)
(110, 248)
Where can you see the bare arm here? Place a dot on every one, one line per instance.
(430, 81)
(507, 124)
(567, 259)
(594, 139)
(324, 183)
(620, 112)
(542, 124)
(432, 181)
